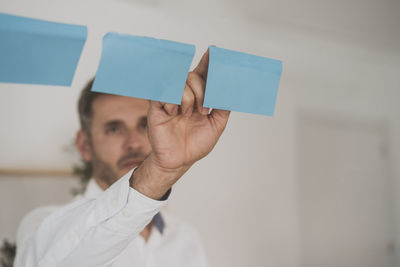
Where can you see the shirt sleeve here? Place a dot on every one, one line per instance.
(89, 232)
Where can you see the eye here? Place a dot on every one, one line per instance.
(143, 124)
(112, 129)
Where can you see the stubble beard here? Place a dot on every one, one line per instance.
(104, 171)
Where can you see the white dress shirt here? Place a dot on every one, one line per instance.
(101, 228)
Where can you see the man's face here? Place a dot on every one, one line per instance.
(118, 140)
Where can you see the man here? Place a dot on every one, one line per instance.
(150, 145)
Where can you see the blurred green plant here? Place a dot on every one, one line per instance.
(84, 172)
(82, 169)
(7, 254)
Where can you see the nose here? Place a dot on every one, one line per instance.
(133, 141)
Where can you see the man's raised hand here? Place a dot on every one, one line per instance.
(179, 135)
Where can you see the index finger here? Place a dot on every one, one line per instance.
(202, 68)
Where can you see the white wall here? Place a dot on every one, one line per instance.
(339, 57)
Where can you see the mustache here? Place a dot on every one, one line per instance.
(134, 155)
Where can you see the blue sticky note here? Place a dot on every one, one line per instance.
(242, 82)
(143, 67)
(39, 52)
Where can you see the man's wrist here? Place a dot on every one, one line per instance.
(153, 181)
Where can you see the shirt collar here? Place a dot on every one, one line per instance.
(93, 190)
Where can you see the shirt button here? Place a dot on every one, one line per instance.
(127, 213)
(72, 236)
(114, 202)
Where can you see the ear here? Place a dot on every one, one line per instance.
(83, 145)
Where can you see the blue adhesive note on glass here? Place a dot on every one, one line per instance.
(39, 52)
(242, 82)
(143, 67)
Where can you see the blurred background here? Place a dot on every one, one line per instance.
(315, 185)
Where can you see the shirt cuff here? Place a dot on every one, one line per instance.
(121, 198)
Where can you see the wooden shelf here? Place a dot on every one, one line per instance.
(35, 172)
